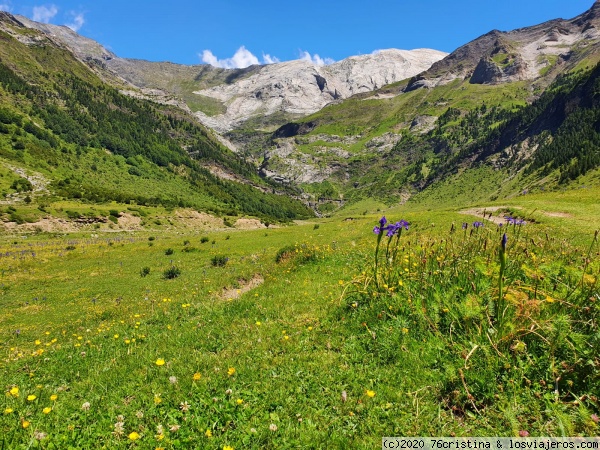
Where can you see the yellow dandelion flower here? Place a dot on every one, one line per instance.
(160, 437)
(116, 336)
(38, 342)
(31, 397)
(227, 447)
(47, 410)
(8, 410)
(133, 436)
(239, 401)
(160, 362)
(127, 341)
(157, 400)
(310, 328)
(208, 433)
(196, 376)
(25, 423)
(405, 330)
(53, 397)
(231, 371)
(14, 391)
(370, 393)
(258, 323)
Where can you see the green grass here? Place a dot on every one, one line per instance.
(263, 347)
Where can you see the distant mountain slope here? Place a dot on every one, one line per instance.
(91, 142)
(524, 54)
(300, 87)
(225, 98)
(507, 112)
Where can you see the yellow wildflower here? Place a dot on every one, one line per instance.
(31, 398)
(370, 393)
(239, 401)
(196, 376)
(25, 423)
(47, 410)
(134, 436)
(53, 397)
(231, 371)
(160, 362)
(8, 410)
(208, 433)
(14, 391)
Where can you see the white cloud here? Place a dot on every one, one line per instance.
(315, 59)
(5, 7)
(268, 59)
(240, 60)
(44, 14)
(78, 21)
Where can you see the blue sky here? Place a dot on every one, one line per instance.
(236, 33)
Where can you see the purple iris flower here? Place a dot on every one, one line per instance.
(391, 229)
(465, 225)
(477, 224)
(504, 241)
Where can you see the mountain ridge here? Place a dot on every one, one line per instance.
(224, 99)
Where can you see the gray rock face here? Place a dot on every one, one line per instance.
(295, 87)
(300, 87)
(523, 54)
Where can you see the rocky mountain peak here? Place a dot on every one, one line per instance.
(301, 87)
(522, 54)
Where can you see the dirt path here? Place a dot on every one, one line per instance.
(244, 286)
(499, 219)
(489, 213)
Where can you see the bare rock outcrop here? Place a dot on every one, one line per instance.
(522, 54)
(301, 87)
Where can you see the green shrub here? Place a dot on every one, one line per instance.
(171, 272)
(285, 253)
(169, 251)
(145, 271)
(219, 260)
(204, 239)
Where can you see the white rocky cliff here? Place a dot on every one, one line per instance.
(300, 87)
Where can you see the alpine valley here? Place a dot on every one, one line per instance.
(506, 113)
(402, 243)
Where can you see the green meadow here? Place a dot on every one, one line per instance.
(319, 334)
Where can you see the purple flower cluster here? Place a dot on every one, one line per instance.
(391, 229)
(512, 221)
(477, 224)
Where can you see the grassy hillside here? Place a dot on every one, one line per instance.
(395, 144)
(90, 142)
